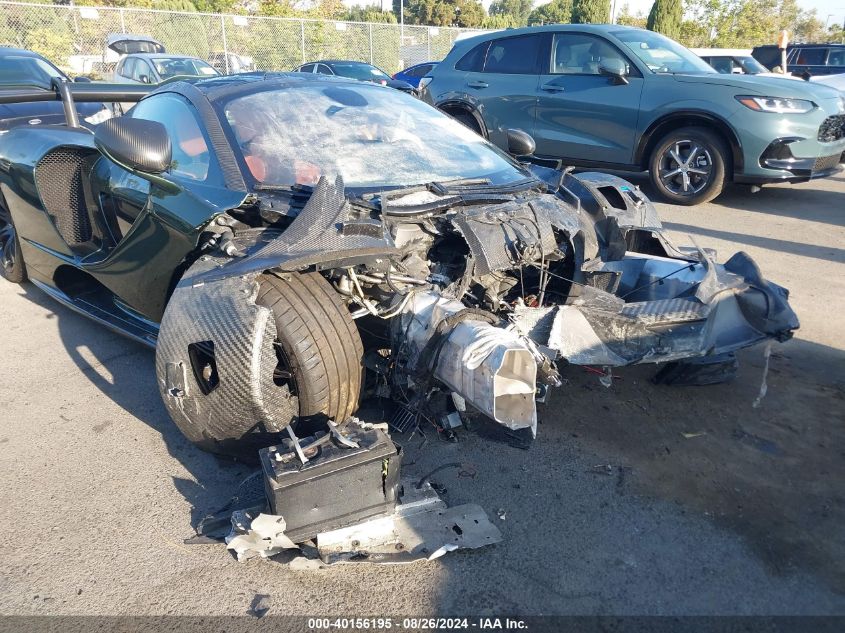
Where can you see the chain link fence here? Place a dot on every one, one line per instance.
(74, 38)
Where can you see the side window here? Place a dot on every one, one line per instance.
(307, 68)
(474, 60)
(723, 65)
(514, 55)
(128, 67)
(810, 57)
(836, 57)
(192, 157)
(420, 71)
(578, 54)
(324, 70)
(142, 69)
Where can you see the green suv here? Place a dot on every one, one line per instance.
(614, 97)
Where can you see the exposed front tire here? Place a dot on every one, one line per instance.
(12, 267)
(319, 344)
(688, 166)
(239, 358)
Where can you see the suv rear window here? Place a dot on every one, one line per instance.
(474, 60)
(810, 56)
(514, 55)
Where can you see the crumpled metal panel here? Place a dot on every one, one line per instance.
(246, 398)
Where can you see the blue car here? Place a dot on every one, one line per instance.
(413, 74)
(615, 97)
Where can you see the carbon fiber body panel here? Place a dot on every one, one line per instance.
(245, 399)
(322, 232)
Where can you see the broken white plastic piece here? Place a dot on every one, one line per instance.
(262, 536)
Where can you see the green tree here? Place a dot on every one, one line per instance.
(372, 13)
(277, 8)
(463, 13)
(499, 22)
(666, 17)
(518, 10)
(555, 12)
(591, 11)
(626, 18)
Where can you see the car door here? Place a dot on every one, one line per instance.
(124, 70)
(143, 73)
(504, 90)
(583, 115)
(156, 223)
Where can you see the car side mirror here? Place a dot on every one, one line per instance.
(82, 80)
(614, 68)
(520, 143)
(135, 144)
(145, 79)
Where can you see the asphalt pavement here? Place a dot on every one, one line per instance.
(635, 499)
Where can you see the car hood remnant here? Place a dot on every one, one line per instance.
(481, 292)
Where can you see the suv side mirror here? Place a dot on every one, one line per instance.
(135, 144)
(614, 68)
(520, 143)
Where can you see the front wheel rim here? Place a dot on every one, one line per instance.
(685, 168)
(8, 245)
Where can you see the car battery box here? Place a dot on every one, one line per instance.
(338, 486)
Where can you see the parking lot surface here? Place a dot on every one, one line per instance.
(635, 499)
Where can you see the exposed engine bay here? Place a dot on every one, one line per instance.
(467, 296)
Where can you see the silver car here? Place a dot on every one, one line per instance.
(153, 68)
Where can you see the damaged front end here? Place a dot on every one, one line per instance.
(477, 294)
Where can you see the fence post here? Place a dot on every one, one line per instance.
(371, 42)
(122, 23)
(225, 45)
(428, 42)
(302, 38)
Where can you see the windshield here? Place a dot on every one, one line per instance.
(168, 67)
(27, 71)
(362, 72)
(751, 65)
(370, 136)
(661, 54)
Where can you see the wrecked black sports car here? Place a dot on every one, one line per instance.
(290, 244)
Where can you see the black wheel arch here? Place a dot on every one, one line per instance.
(659, 128)
(457, 106)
